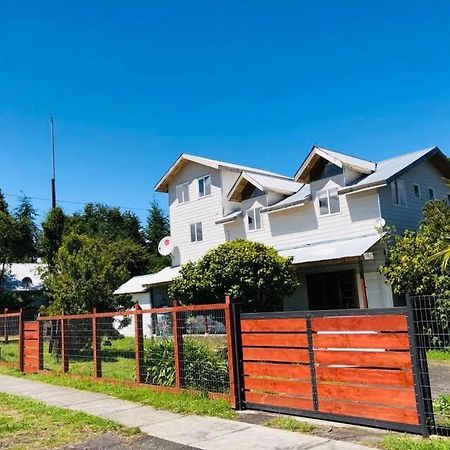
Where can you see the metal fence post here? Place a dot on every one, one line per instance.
(139, 343)
(237, 355)
(21, 342)
(229, 324)
(178, 345)
(5, 326)
(312, 364)
(40, 346)
(64, 344)
(96, 346)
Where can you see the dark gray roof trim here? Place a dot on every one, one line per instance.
(279, 207)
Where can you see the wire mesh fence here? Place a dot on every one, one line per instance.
(431, 315)
(9, 338)
(179, 347)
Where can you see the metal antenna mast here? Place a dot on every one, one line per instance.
(52, 135)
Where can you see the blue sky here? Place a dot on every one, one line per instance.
(134, 84)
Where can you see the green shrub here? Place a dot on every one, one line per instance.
(204, 369)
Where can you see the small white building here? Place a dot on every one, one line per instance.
(24, 277)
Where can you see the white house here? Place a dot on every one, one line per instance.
(329, 217)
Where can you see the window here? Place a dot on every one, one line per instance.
(183, 193)
(448, 199)
(431, 193)
(417, 192)
(398, 191)
(329, 202)
(196, 232)
(204, 186)
(254, 219)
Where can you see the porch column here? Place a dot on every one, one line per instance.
(363, 284)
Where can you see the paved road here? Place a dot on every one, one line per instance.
(206, 433)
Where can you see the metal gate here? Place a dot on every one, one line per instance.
(356, 366)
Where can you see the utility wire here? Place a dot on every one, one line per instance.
(130, 208)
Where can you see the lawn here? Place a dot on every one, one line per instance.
(183, 403)
(415, 443)
(9, 352)
(439, 355)
(28, 424)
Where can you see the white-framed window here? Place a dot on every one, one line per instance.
(196, 232)
(254, 219)
(431, 195)
(417, 192)
(329, 202)
(204, 186)
(183, 193)
(398, 190)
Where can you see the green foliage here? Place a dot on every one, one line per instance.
(250, 272)
(86, 272)
(107, 222)
(289, 423)
(441, 406)
(410, 267)
(202, 365)
(10, 240)
(52, 234)
(415, 443)
(25, 214)
(3, 203)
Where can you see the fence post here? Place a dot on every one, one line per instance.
(96, 346)
(21, 342)
(312, 364)
(64, 342)
(177, 326)
(40, 346)
(5, 326)
(230, 329)
(139, 343)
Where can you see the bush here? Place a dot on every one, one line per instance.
(204, 369)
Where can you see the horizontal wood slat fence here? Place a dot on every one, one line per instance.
(353, 366)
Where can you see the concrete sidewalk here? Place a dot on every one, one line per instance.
(208, 433)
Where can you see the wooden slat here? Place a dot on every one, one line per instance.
(388, 322)
(277, 370)
(30, 326)
(381, 396)
(275, 340)
(34, 352)
(279, 400)
(363, 359)
(394, 341)
(32, 344)
(31, 335)
(397, 415)
(279, 386)
(288, 324)
(275, 354)
(400, 378)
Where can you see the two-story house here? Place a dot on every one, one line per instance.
(329, 218)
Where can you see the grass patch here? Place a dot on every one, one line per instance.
(182, 403)
(438, 355)
(288, 423)
(28, 424)
(413, 443)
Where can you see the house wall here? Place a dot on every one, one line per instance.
(205, 210)
(425, 175)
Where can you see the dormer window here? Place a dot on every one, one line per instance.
(183, 193)
(254, 219)
(329, 202)
(324, 169)
(204, 186)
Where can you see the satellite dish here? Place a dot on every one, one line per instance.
(165, 246)
(380, 223)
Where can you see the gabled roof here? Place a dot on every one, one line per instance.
(302, 196)
(264, 183)
(142, 283)
(184, 158)
(339, 159)
(392, 168)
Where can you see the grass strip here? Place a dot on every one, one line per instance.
(290, 424)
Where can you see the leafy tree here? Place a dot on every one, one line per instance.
(410, 267)
(157, 227)
(107, 222)
(10, 239)
(3, 203)
(87, 270)
(26, 215)
(52, 234)
(250, 272)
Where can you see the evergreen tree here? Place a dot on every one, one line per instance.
(25, 215)
(3, 203)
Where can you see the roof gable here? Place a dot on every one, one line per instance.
(183, 159)
(339, 159)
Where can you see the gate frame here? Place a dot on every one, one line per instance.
(422, 428)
